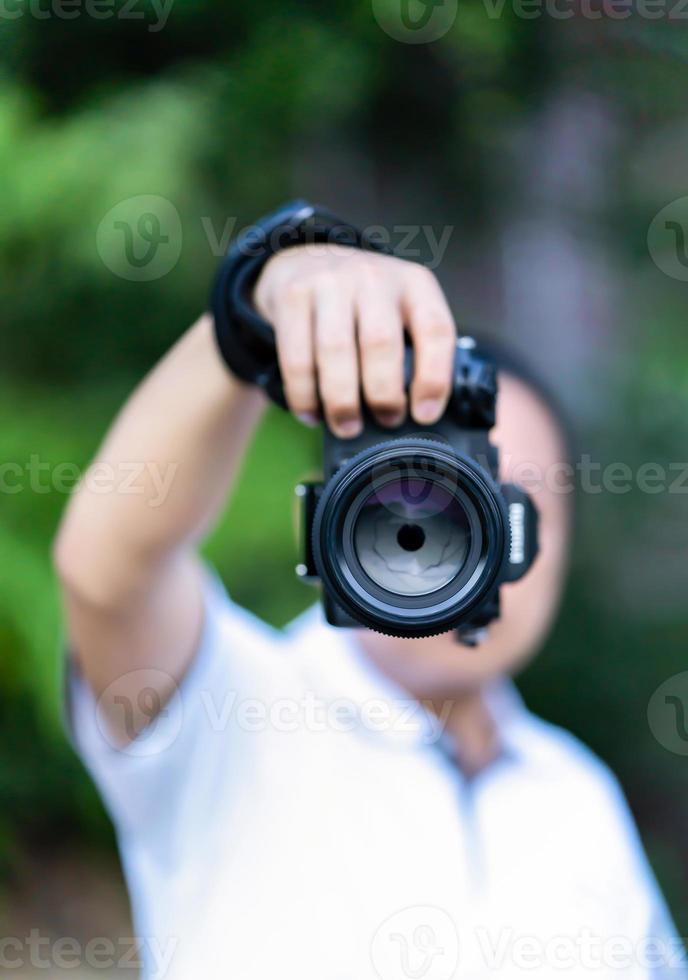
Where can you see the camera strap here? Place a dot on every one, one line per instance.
(245, 339)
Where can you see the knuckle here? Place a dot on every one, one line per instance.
(434, 376)
(384, 385)
(296, 292)
(368, 267)
(301, 391)
(335, 344)
(325, 280)
(421, 276)
(380, 336)
(299, 403)
(437, 326)
(342, 406)
(386, 400)
(296, 363)
(431, 386)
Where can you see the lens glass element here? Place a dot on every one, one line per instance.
(412, 536)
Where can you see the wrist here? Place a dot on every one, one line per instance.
(215, 375)
(245, 339)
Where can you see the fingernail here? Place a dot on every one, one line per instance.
(390, 419)
(308, 418)
(428, 411)
(348, 428)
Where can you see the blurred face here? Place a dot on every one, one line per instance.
(530, 443)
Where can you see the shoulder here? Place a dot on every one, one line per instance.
(558, 756)
(583, 793)
(573, 811)
(555, 747)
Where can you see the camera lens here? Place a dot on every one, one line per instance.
(412, 536)
(408, 536)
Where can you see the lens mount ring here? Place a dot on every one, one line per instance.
(455, 475)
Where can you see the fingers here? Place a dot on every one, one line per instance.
(339, 316)
(337, 357)
(433, 332)
(381, 346)
(293, 324)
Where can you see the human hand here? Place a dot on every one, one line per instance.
(339, 316)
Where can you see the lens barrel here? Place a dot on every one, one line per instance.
(408, 536)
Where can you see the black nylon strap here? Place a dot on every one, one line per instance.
(245, 340)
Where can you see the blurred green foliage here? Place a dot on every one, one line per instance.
(217, 112)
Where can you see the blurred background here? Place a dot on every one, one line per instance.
(542, 162)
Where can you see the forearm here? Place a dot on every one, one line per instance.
(183, 432)
(133, 591)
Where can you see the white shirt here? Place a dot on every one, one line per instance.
(291, 814)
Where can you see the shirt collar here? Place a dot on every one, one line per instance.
(337, 669)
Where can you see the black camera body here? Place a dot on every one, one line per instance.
(410, 533)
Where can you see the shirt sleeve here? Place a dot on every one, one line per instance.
(659, 951)
(200, 744)
(617, 896)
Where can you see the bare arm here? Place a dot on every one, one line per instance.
(127, 561)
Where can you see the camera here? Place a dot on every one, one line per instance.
(410, 532)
